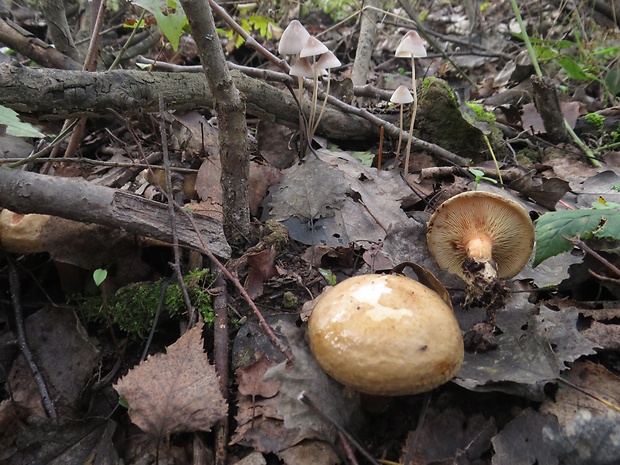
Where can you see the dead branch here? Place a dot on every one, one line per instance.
(79, 200)
(48, 94)
(23, 42)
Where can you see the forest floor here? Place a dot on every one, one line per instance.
(97, 364)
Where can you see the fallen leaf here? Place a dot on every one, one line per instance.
(261, 268)
(332, 199)
(174, 392)
(250, 379)
(521, 440)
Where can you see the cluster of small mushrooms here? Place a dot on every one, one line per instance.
(391, 335)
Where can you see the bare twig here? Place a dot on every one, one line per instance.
(22, 343)
(303, 397)
(220, 350)
(261, 319)
(587, 249)
(176, 266)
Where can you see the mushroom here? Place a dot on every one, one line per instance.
(411, 46)
(401, 96)
(327, 61)
(292, 42)
(481, 237)
(385, 335)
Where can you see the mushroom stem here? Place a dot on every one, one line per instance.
(400, 133)
(318, 119)
(479, 248)
(413, 114)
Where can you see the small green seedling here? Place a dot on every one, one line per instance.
(329, 276)
(99, 276)
(479, 176)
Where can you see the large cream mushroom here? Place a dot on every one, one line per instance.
(481, 237)
(385, 335)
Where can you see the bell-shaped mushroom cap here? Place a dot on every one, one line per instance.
(293, 39)
(302, 68)
(385, 335)
(401, 95)
(475, 217)
(327, 61)
(313, 47)
(411, 45)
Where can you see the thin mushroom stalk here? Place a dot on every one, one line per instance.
(411, 46)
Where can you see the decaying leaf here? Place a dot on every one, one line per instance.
(332, 199)
(560, 328)
(250, 379)
(586, 431)
(525, 358)
(174, 392)
(521, 441)
(68, 361)
(63, 441)
(446, 435)
(277, 423)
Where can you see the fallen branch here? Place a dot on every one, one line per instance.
(79, 200)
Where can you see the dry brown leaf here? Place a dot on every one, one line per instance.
(250, 378)
(174, 392)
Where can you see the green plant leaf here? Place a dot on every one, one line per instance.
(14, 126)
(170, 18)
(99, 276)
(552, 229)
(612, 79)
(573, 69)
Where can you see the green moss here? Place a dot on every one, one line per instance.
(596, 120)
(133, 307)
(481, 114)
(440, 121)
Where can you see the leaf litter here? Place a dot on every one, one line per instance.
(359, 212)
(174, 392)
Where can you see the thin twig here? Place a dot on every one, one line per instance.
(303, 397)
(587, 249)
(22, 343)
(176, 266)
(220, 351)
(261, 319)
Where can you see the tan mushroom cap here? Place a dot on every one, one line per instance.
(385, 335)
(467, 219)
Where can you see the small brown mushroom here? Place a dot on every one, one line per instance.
(481, 237)
(385, 335)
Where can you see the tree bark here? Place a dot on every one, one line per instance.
(79, 200)
(548, 106)
(232, 127)
(49, 94)
(365, 44)
(25, 43)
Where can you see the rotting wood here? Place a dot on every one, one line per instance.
(79, 200)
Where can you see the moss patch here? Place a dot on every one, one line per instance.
(439, 119)
(133, 307)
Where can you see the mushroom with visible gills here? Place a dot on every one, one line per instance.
(386, 335)
(481, 237)
(411, 46)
